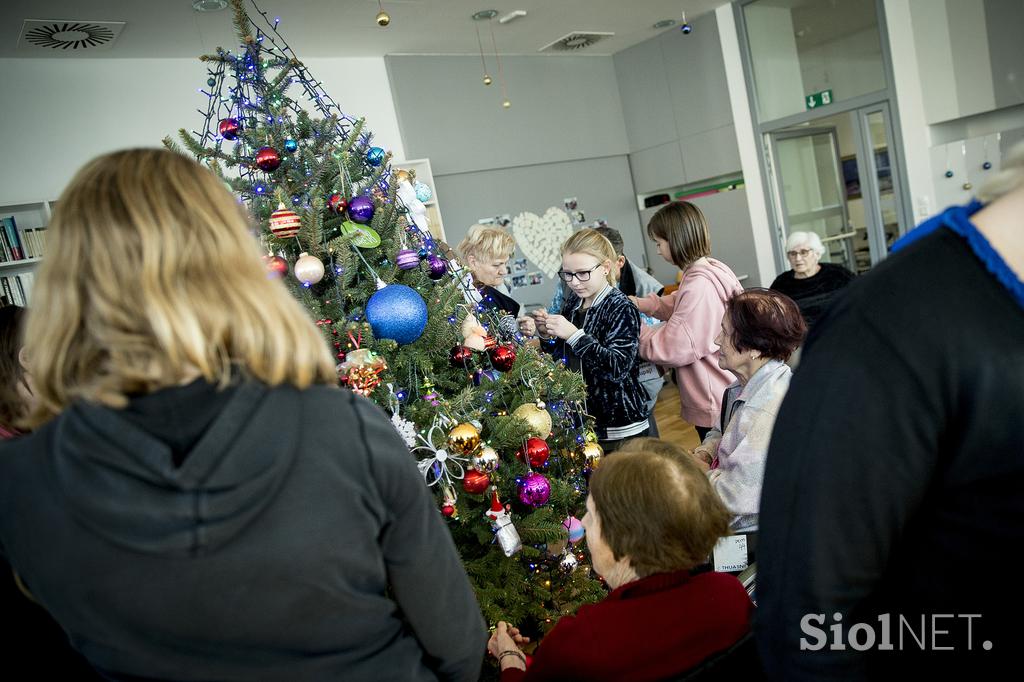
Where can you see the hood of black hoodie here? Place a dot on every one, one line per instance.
(122, 484)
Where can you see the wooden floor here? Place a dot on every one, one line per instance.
(671, 426)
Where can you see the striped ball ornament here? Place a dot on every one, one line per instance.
(284, 222)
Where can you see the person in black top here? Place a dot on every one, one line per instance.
(893, 496)
(811, 284)
(485, 252)
(198, 500)
(598, 334)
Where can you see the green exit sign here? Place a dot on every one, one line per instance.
(818, 99)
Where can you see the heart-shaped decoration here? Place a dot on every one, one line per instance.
(541, 237)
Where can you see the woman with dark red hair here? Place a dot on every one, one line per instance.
(760, 330)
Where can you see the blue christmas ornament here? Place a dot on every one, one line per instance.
(423, 191)
(375, 156)
(397, 312)
(290, 145)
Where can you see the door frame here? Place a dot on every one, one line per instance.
(885, 96)
(773, 139)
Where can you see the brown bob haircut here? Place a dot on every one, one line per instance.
(765, 321)
(685, 228)
(657, 507)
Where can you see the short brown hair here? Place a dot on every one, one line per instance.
(766, 321)
(657, 507)
(12, 322)
(685, 228)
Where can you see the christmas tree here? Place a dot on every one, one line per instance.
(498, 428)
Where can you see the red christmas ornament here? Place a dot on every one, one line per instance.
(460, 356)
(502, 357)
(267, 159)
(337, 203)
(448, 510)
(277, 267)
(229, 128)
(284, 222)
(475, 482)
(535, 451)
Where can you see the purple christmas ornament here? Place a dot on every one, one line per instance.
(534, 490)
(436, 267)
(407, 259)
(360, 209)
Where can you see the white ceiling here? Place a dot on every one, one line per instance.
(346, 28)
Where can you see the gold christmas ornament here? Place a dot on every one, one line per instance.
(487, 80)
(486, 460)
(403, 176)
(592, 453)
(538, 419)
(506, 104)
(463, 439)
(383, 18)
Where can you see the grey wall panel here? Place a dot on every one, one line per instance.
(710, 154)
(646, 102)
(696, 77)
(562, 108)
(732, 237)
(601, 185)
(1004, 20)
(657, 168)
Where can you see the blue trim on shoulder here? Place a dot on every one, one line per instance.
(958, 220)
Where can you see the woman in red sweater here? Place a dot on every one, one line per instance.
(651, 517)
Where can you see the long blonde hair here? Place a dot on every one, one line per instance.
(152, 278)
(592, 243)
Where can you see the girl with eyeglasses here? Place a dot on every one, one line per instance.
(597, 333)
(693, 313)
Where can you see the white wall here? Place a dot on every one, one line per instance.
(747, 142)
(59, 113)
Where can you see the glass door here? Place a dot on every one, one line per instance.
(837, 176)
(810, 191)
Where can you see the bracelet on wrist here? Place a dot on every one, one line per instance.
(512, 652)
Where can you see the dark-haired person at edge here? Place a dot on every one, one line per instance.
(32, 640)
(892, 512)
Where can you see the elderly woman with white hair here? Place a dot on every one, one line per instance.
(810, 283)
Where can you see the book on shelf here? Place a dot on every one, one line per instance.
(17, 289)
(13, 240)
(20, 243)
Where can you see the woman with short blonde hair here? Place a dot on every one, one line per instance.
(485, 252)
(195, 454)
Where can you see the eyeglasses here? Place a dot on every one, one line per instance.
(582, 275)
(803, 253)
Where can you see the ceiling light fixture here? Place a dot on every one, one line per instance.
(664, 23)
(209, 5)
(514, 14)
(383, 18)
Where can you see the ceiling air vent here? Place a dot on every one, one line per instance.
(577, 40)
(68, 36)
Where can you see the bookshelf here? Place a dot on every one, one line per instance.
(424, 174)
(21, 237)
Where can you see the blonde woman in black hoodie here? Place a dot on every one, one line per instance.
(197, 500)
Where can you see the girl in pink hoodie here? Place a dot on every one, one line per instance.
(692, 314)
